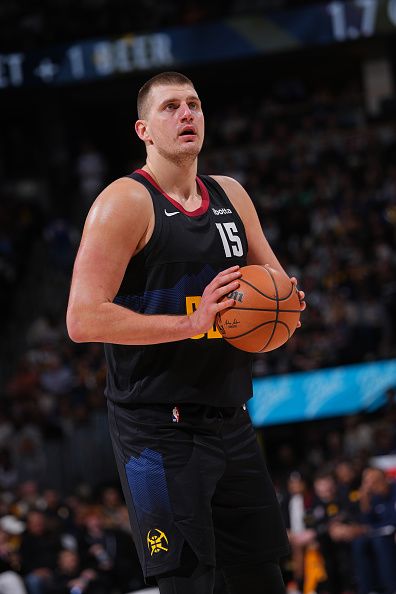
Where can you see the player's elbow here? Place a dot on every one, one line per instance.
(76, 326)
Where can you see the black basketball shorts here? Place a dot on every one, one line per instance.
(195, 474)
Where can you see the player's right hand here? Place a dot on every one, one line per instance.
(211, 301)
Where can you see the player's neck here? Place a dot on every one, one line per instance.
(176, 180)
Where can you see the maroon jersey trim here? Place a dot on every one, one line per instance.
(194, 213)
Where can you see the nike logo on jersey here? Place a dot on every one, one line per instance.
(171, 214)
(222, 211)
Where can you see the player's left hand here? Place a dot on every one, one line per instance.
(301, 296)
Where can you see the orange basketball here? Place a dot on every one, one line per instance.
(266, 311)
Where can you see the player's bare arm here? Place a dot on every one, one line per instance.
(260, 251)
(118, 226)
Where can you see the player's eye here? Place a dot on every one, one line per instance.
(171, 106)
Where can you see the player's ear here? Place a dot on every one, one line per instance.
(142, 131)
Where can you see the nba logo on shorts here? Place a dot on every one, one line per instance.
(175, 414)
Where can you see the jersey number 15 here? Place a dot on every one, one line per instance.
(231, 242)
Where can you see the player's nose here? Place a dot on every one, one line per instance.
(186, 114)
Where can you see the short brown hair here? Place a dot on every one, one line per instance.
(163, 78)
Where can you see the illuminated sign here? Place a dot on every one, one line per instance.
(234, 38)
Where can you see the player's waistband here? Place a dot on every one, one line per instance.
(183, 411)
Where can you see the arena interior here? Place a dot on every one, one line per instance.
(300, 107)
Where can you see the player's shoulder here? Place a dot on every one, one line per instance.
(123, 195)
(237, 195)
(227, 183)
(124, 189)
(234, 190)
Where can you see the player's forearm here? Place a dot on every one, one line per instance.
(108, 322)
(273, 262)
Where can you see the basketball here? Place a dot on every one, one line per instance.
(266, 311)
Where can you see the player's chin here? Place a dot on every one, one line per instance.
(191, 149)
(190, 141)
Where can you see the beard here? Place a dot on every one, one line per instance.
(185, 155)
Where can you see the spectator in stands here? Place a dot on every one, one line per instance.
(325, 513)
(348, 483)
(57, 512)
(10, 530)
(70, 578)
(112, 504)
(294, 506)
(27, 497)
(109, 552)
(375, 551)
(38, 551)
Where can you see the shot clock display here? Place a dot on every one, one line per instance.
(359, 18)
(175, 48)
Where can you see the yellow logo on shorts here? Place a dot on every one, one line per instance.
(156, 541)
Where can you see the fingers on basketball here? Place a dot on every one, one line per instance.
(265, 313)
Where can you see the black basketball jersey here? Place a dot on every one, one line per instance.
(168, 276)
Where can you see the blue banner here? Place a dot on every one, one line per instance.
(304, 396)
(178, 47)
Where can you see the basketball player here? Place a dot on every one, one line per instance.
(160, 248)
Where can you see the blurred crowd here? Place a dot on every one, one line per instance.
(70, 545)
(342, 528)
(336, 482)
(337, 493)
